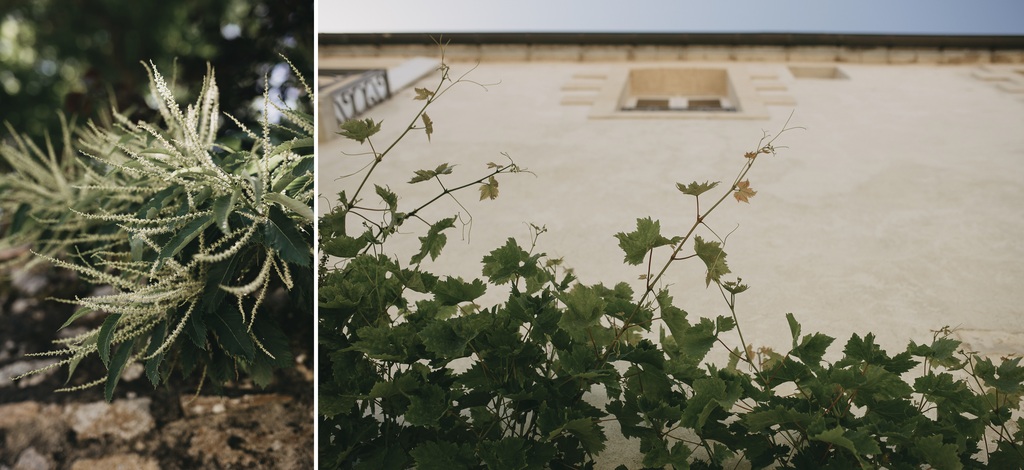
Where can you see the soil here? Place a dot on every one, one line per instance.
(144, 427)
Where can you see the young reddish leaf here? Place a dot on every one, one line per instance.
(423, 94)
(489, 190)
(743, 192)
(751, 155)
(429, 125)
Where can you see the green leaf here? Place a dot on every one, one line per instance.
(284, 237)
(440, 339)
(812, 348)
(222, 208)
(423, 94)
(105, 336)
(645, 238)
(785, 417)
(153, 363)
(75, 316)
(389, 197)
(453, 290)
(274, 341)
(19, 218)
(489, 190)
(695, 188)
(589, 433)
(441, 455)
(136, 247)
(232, 334)
(584, 308)
(344, 246)
(697, 340)
(505, 263)
(117, 363)
(219, 274)
(427, 175)
(941, 456)
(674, 317)
(1007, 378)
(794, 327)
(359, 129)
(942, 351)
(837, 436)
(185, 235)
(434, 241)
(428, 125)
(509, 453)
(299, 208)
(427, 406)
(714, 258)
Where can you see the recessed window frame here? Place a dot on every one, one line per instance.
(740, 99)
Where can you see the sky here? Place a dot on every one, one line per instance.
(928, 17)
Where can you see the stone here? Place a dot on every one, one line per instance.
(31, 459)
(27, 425)
(117, 462)
(122, 419)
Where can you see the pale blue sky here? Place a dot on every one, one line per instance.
(938, 17)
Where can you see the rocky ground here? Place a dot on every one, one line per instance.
(143, 428)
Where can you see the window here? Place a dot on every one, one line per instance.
(675, 92)
(817, 72)
(687, 89)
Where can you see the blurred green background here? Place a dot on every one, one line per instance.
(75, 56)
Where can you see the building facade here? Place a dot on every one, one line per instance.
(893, 204)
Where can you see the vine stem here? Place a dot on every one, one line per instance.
(763, 147)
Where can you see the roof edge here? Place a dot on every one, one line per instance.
(703, 39)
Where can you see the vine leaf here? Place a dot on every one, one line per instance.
(388, 196)
(426, 175)
(583, 308)
(713, 256)
(489, 190)
(743, 192)
(428, 125)
(504, 263)
(423, 94)
(695, 188)
(454, 290)
(441, 455)
(434, 241)
(359, 129)
(646, 237)
(588, 432)
(344, 246)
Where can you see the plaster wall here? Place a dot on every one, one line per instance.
(897, 209)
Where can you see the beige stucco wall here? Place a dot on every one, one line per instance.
(898, 209)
